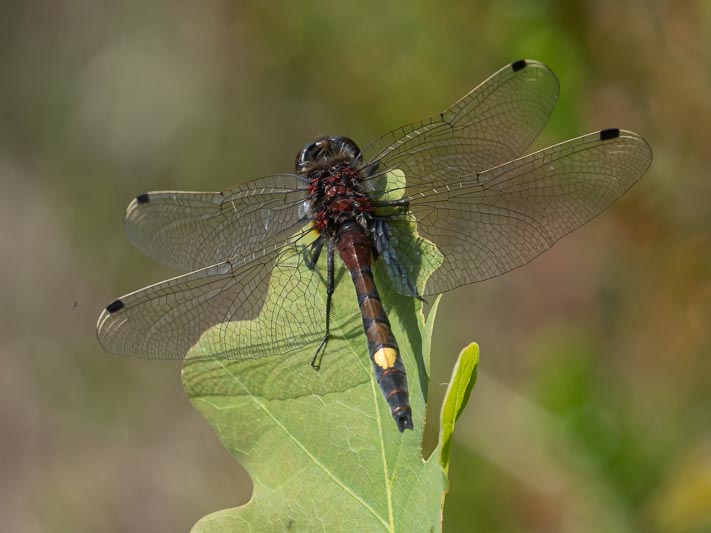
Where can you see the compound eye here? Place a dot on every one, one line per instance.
(305, 156)
(323, 150)
(318, 149)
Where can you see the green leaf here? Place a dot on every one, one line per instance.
(321, 447)
(456, 398)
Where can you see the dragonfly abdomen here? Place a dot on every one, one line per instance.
(355, 250)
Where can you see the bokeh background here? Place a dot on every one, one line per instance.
(593, 410)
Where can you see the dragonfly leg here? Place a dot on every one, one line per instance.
(312, 254)
(401, 202)
(316, 361)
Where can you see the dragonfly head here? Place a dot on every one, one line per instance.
(325, 152)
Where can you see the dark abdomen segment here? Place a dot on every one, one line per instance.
(355, 250)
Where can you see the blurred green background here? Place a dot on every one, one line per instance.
(593, 411)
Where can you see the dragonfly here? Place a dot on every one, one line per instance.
(457, 180)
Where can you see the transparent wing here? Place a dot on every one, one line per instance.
(494, 123)
(485, 224)
(192, 230)
(165, 320)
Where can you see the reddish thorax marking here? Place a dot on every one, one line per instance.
(338, 198)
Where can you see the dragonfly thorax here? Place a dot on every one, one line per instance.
(337, 197)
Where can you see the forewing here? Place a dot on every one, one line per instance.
(192, 230)
(485, 224)
(494, 123)
(165, 320)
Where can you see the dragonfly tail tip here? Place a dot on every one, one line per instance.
(403, 421)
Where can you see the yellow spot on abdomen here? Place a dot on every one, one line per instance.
(385, 357)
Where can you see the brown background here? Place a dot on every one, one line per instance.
(592, 413)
